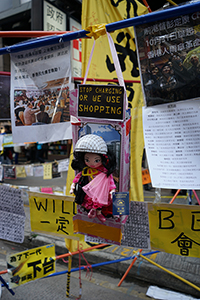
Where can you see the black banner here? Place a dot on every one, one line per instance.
(4, 97)
(101, 101)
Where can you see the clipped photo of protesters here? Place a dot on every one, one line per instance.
(41, 107)
(175, 78)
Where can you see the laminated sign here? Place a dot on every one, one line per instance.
(100, 101)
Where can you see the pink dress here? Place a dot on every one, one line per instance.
(98, 189)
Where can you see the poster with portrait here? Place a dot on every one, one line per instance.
(169, 54)
(40, 86)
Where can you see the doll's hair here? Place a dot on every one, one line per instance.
(108, 161)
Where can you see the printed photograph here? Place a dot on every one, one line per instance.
(40, 107)
(169, 56)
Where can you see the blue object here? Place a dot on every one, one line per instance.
(121, 203)
(100, 264)
(151, 17)
(6, 285)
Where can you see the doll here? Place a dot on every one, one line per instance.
(95, 163)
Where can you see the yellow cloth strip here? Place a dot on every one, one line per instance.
(96, 30)
(99, 230)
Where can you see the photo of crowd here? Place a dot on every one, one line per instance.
(41, 107)
(175, 79)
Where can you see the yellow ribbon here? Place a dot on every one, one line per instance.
(89, 172)
(96, 30)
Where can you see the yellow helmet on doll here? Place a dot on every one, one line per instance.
(91, 143)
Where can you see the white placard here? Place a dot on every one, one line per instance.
(63, 165)
(38, 171)
(172, 141)
(29, 170)
(12, 216)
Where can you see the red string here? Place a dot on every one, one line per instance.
(88, 266)
(80, 283)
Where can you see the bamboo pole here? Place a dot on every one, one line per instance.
(171, 273)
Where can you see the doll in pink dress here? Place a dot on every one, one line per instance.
(95, 164)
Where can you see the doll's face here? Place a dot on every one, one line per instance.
(92, 160)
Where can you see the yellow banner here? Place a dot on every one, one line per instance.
(51, 213)
(175, 228)
(30, 265)
(98, 12)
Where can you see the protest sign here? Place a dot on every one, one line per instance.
(40, 85)
(172, 142)
(101, 101)
(52, 214)
(30, 265)
(175, 228)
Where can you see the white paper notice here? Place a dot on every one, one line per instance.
(12, 215)
(172, 141)
(63, 165)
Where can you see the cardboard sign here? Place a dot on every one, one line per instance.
(31, 264)
(52, 214)
(101, 101)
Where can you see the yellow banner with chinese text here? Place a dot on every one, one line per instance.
(30, 265)
(52, 214)
(102, 67)
(175, 228)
